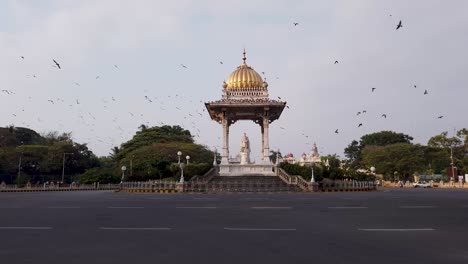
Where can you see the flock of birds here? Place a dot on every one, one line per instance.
(166, 103)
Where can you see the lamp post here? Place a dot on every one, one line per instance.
(123, 173)
(179, 153)
(19, 168)
(451, 161)
(182, 165)
(312, 179)
(63, 165)
(188, 158)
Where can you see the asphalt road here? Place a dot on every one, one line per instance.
(389, 226)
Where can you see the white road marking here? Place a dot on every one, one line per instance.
(137, 228)
(196, 207)
(348, 207)
(417, 206)
(125, 207)
(395, 229)
(207, 199)
(259, 229)
(271, 207)
(63, 207)
(25, 227)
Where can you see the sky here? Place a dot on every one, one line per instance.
(121, 67)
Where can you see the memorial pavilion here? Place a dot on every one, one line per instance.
(245, 97)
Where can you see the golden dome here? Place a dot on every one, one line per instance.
(244, 77)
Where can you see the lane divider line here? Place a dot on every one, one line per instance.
(258, 229)
(125, 207)
(348, 207)
(395, 229)
(137, 228)
(25, 227)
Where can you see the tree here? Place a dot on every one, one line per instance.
(274, 155)
(403, 158)
(353, 152)
(147, 136)
(443, 141)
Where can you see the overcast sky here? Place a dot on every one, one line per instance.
(114, 53)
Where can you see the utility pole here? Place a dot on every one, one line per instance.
(451, 159)
(63, 165)
(19, 169)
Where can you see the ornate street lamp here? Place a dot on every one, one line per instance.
(182, 165)
(123, 173)
(179, 153)
(312, 179)
(187, 158)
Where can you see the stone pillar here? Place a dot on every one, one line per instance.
(225, 156)
(266, 145)
(263, 139)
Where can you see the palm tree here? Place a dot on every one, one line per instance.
(274, 155)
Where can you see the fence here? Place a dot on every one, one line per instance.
(346, 186)
(58, 187)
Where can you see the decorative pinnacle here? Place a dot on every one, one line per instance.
(244, 58)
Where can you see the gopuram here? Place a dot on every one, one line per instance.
(245, 97)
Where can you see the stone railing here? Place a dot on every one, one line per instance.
(207, 177)
(149, 186)
(344, 186)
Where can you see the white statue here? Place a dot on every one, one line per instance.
(245, 150)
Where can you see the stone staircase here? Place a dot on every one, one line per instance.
(251, 183)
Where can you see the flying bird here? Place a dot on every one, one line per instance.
(115, 65)
(360, 125)
(364, 111)
(97, 77)
(425, 92)
(57, 64)
(384, 115)
(373, 89)
(336, 131)
(400, 25)
(336, 62)
(22, 57)
(183, 66)
(358, 113)
(415, 86)
(279, 97)
(220, 62)
(296, 23)
(440, 117)
(51, 101)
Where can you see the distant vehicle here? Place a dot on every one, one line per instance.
(421, 184)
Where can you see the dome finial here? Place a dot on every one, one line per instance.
(244, 58)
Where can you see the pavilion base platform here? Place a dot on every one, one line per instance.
(246, 170)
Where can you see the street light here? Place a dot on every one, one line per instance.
(312, 179)
(188, 158)
(182, 165)
(123, 173)
(179, 153)
(63, 165)
(19, 168)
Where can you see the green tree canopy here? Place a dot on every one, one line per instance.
(353, 152)
(403, 158)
